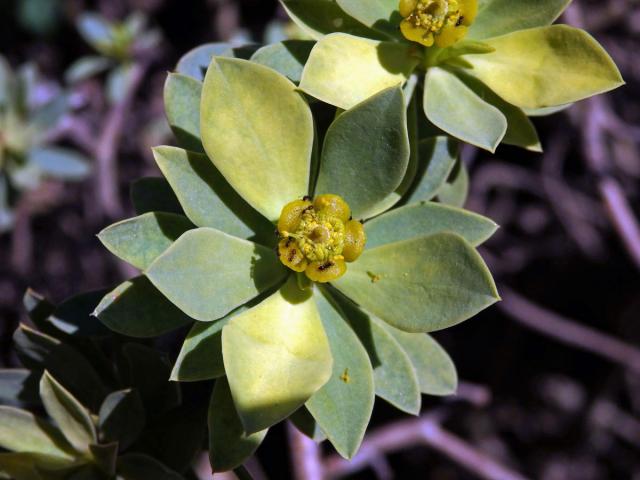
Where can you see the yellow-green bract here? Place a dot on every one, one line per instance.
(475, 90)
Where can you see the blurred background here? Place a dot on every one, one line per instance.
(550, 377)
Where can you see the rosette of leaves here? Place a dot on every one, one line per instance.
(103, 406)
(280, 345)
(29, 110)
(504, 61)
(117, 44)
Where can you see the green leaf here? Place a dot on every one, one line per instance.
(207, 273)
(200, 357)
(135, 466)
(207, 198)
(148, 372)
(422, 284)
(343, 406)
(38, 308)
(17, 386)
(455, 190)
(520, 131)
(73, 316)
(196, 61)
(321, 17)
(182, 106)
(18, 466)
(287, 57)
(140, 240)
(306, 424)
(71, 417)
(121, 418)
(499, 17)
(428, 218)
(544, 67)
(151, 194)
(543, 112)
(37, 351)
(258, 131)
(381, 15)
(86, 67)
(437, 157)
(366, 154)
(137, 309)
(394, 376)
(96, 31)
(344, 70)
(276, 356)
(21, 431)
(455, 108)
(60, 163)
(434, 368)
(229, 446)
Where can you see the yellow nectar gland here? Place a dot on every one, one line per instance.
(319, 237)
(439, 22)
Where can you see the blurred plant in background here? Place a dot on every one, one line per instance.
(30, 111)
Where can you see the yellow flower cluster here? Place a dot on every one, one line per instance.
(319, 237)
(439, 22)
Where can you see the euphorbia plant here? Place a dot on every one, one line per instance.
(253, 248)
(483, 66)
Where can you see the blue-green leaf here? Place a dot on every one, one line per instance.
(229, 445)
(366, 154)
(140, 240)
(182, 106)
(456, 109)
(422, 284)
(206, 197)
(207, 273)
(427, 218)
(342, 407)
(71, 417)
(137, 309)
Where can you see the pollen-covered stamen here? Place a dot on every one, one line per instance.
(319, 237)
(439, 22)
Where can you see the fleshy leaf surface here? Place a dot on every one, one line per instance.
(207, 273)
(276, 356)
(435, 370)
(428, 218)
(422, 284)
(455, 108)
(137, 309)
(206, 197)
(287, 57)
(344, 70)
(366, 153)
(499, 17)
(258, 131)
(393, 373)
(140, 240)
(381, 15)
(229, 446)
(437, 156)
(71, 417)
(545, 67)
(182, 106)
(21, 431)
(200, 357)
(342, 407)
(321, 17)
(121, 418)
